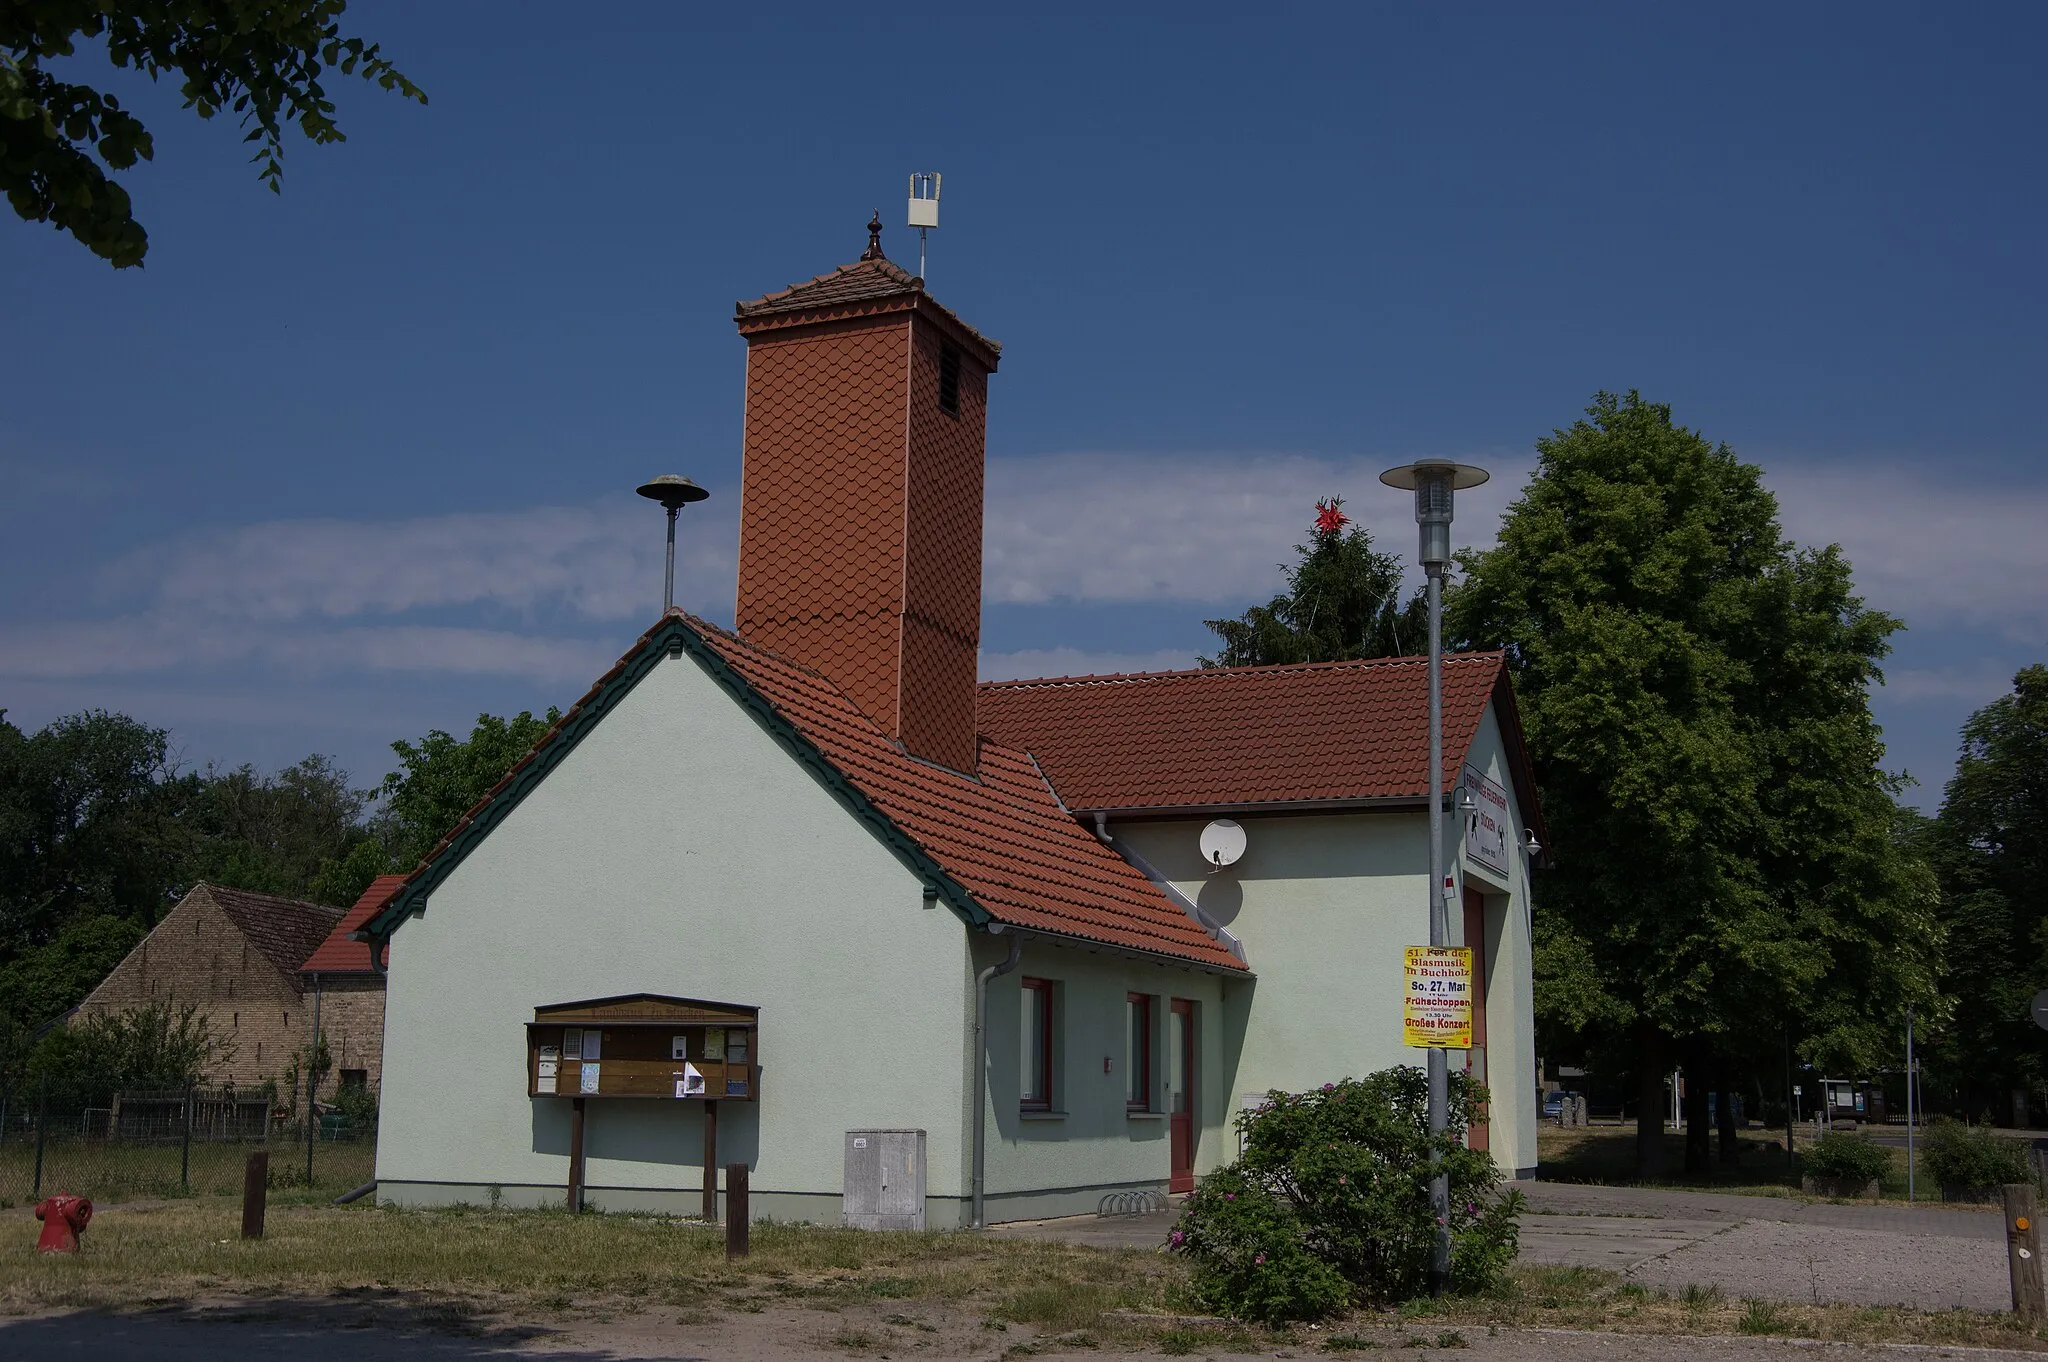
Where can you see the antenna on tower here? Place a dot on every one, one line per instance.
(924, 209)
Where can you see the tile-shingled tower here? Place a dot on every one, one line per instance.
(860, 495)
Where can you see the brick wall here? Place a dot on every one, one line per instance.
(352, 1019)
(198, 956)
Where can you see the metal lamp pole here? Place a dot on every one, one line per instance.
(673, 493)
(1912, 1076)
(1434, 482)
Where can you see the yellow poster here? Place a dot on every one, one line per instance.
(1437, 997)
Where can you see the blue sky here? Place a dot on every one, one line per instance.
(356, 461)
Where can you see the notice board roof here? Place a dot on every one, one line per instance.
(646, 1009)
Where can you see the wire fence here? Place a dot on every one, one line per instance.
(113, 1145)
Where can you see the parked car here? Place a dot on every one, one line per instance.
(1553, 1105)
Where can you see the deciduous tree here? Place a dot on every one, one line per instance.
(261, 60)
(1694, 691)
(1990, 847)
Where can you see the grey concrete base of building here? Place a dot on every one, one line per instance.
(813, 1208)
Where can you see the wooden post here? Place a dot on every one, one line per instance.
(736, 1215)
(710, 1162)
(575, 1155)
(2023, 1250)
(255, 1192)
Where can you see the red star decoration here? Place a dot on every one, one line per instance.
(1329, 519)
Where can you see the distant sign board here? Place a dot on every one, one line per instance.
(1486, 837)
(1436, 1005)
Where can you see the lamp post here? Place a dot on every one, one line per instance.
(673, 493)
(1434, 481)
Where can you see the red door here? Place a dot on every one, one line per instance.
(1180, 1095)
(1475, 936)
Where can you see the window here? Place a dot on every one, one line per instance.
(949, 379)
(1138, 1061)
(1034, 1072)
(355, 1078)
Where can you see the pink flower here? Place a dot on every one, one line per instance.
(1329, 1087)
(1177, 1239)
(1342, 1180)
(1260, 1259)
(1230, 1196)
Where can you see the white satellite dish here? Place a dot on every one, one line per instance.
(1222, 843)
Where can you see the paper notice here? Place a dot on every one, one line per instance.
(692, 1081)
(1436, 1009)
(589, 1083)
(678, 1047)
(572, 1043)
(592, 1042)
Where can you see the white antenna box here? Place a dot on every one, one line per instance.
(924, 199)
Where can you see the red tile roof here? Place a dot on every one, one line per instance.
(1001, 835)
(861, 289)
(339, 955)
(1236, 736)
(284, 931)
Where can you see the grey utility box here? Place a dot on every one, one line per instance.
(884, 1187)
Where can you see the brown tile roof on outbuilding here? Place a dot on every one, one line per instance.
(285, 931)
(339, 955)
(1355, 732)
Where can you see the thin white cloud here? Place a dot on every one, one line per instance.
(1035, 662)
(1932, 546)
(1974, 686)
(162, 643)
(601, 562)
(1164, 527)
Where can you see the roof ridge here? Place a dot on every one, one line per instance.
(1264, 668)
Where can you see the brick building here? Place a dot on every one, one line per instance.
(235, 955)
(351, 993)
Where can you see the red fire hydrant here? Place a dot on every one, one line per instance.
(64, 1219)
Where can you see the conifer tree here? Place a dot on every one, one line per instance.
(1343, 601)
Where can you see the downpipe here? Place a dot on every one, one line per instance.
(981, 1067)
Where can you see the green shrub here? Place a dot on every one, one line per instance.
(1973, 1156)
(1850, 1158)
(1330, 1204)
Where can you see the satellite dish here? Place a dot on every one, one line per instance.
(1222, 843)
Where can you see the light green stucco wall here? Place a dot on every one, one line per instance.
(1324, 905)
(1064, 1163)
(677, 850)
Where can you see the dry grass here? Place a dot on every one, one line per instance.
(111, 1172)
(1586, 1298)
(549, 1259)
(1017, 1294)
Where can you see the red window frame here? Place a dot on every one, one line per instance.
(1040, 991)
(1140, 1059)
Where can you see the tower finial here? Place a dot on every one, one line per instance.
(874, 250)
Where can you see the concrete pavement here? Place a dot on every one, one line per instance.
(1748, 1246)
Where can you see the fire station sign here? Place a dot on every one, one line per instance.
(1437, 1003)
(1486, 837)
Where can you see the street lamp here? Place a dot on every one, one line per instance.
(673, 493)
(1434, 481)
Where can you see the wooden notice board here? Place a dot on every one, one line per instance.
(646, 1046)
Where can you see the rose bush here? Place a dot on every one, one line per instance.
(1329, 1205)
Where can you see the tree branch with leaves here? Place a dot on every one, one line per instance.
(261, 60)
